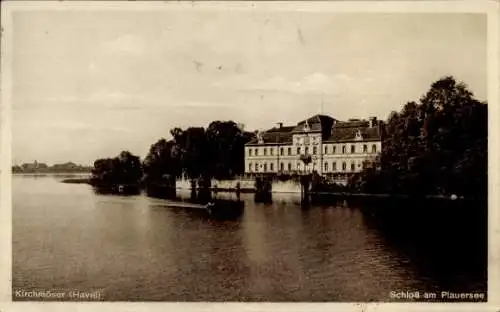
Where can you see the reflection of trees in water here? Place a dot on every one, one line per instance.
(446, 241)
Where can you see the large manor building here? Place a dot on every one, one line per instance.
(335, 148)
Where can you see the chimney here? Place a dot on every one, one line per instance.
(373, 121)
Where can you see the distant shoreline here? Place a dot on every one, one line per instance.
(52, 173)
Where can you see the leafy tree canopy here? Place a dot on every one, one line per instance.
(435, 146)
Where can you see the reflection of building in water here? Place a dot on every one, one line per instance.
(335, 148)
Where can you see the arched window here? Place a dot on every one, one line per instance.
(282, 151)
(289, 167)
(265, 167)
(334, 166)
(256, 167)
(256, 152)
(343, 149)
(271, 167)
(365, 148)
(326, 166)
(282, 166)
(326, 149)
(334, 149)
(353, 166)
(344, 166)
(374, 148)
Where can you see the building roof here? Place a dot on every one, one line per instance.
(275, 136)
(348, 131)
(317, 123)
(331, 129)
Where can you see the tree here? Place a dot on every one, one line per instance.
(225, 149)
(123, 169)
(436, 146)
(195, 153)
(191, 144)
(162, 159)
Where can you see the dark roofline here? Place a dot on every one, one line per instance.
(268, 143)
(352, 140)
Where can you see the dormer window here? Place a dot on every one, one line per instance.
(358, 135)
(306, 127)
(260, 138)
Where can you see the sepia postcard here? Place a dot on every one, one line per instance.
(263, 156)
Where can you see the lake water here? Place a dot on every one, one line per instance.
(65, 236)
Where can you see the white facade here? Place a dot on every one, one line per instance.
(328, 157)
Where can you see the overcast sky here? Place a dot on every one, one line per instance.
(90, 84)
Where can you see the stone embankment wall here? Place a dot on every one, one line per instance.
(245, 184)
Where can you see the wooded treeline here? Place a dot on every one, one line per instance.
(436, 146)
(196, 152)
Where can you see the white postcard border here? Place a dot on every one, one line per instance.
(491, 8)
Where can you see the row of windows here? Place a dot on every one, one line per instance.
(314, 150)
(256, 167)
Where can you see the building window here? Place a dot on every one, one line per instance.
(343, 149)
(282, 151)
(374, 148)
(326, 166)
(353, 167)
(314, 150)
(271, 151)
(256, 152)
(307, 150)
(250, 167)
(282, 167)
(344, 166)
(265, 167)
(249, 152)
(289, 167)
(353, 149)
(365, 148)
(289, 151)
(298, 150)
(271, 166)
(334, 149)
(256, 167)
(334, 166)
(326, 149)
(265, 151)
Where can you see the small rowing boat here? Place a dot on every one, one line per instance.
(208, 206)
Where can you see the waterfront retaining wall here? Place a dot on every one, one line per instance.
(245, 184)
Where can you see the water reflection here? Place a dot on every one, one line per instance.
(139, 248)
